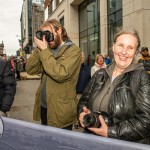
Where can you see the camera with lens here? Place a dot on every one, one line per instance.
(49, 37)
(92, 120)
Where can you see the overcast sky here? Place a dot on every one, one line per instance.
(10, 12)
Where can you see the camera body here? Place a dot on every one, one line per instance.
(49, 37)
(92, 120)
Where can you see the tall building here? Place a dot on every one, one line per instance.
(2, 48)
(37, 18)
(32, 16)
(26, 26)
(92, 24)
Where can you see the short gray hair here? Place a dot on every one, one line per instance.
(130, 31)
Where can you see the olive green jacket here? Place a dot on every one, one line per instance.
(61, 74)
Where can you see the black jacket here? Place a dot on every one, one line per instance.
(129, 102)
(146, 63)
(84, 78)
(7, 86)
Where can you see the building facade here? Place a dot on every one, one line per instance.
(92, 24)
(37, 18)
(32, 16)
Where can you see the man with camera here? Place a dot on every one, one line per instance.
(59, 61)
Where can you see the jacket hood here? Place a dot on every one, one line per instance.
(132, 67)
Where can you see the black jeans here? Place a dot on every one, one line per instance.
(44, 118)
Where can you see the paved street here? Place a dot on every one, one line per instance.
(22, 107)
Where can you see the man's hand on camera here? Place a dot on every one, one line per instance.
(41, 44)
(85, 111)
(103, 130)
(3, 114)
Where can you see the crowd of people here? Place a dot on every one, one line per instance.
(109, 99)
(10, 68)
(17, 64)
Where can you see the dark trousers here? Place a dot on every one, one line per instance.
(44, 118)
(18, 75)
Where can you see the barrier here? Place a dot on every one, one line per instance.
(21, 135)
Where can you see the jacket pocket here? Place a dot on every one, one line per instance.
(62, 110)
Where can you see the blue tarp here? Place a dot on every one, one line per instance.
(21, 135)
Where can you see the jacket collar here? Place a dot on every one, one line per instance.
(63, 48)
(133, 66)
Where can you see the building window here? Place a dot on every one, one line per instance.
(61, 20)
(89, 29)
(53, 5)
(114, 8)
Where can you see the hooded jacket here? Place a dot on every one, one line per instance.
(60, 73)
(128, 101)
(7, 86)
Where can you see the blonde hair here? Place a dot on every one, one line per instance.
(97, 56)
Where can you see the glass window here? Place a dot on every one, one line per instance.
(61, 20)
(89, 28)
(60, 1)
(114, 19)
(114, 5)
(53, 5)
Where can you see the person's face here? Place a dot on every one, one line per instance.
(100, 60)
(57, 37)
(144, 53)
(124, 50)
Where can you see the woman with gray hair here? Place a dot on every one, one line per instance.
(117, 97)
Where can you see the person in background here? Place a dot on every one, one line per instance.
(18, 67)
(59, 61)
(99, 63)
(12, 62)
(7, 87)
(122, 91)
(107, 59)
(90, 61)
(23, 62)
(145, 59)
(84, 76)
(4, 56)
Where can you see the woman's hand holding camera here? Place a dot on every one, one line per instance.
(98, 127)
(103, 130)
(85, 111)
(41, 44)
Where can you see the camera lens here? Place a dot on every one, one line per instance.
(39, 35)
(48, 35)
(89, 120)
